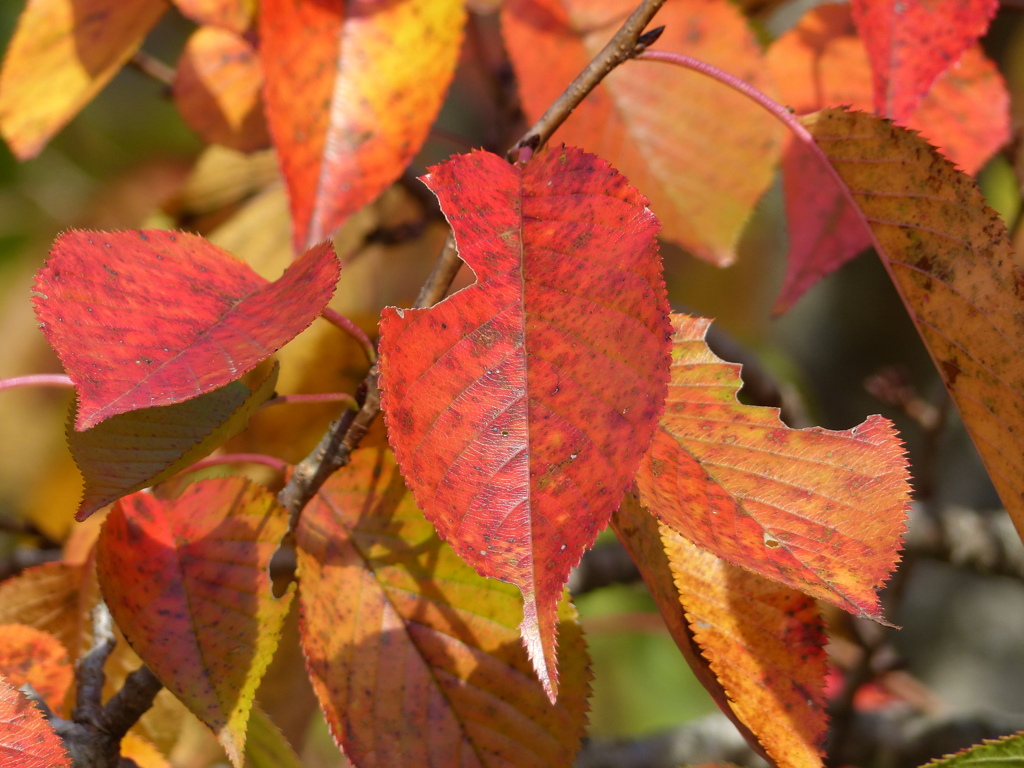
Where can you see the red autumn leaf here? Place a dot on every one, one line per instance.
(131, 451)
(30, 655)
(351, 91)
(416, 659)
(62, 53)
(519, 408)
(234, 15)
(187, 582)
(149, 318)
(912, 42)
(217, 89)
(822, 62)
(950, 259)
(757, 646)
(817, 510)
(700, 152)
(27, 740)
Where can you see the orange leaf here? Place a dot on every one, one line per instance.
(757, 646)
(27, 740)
(818, 510)
(62, 53)
(131, 451)
(234, 15)
(702, 153)
(142, 752)
(415, 658)
(30, 655)
(520, 407)
(950, 259)
(217, 88)
(351, 91)
(187, 582)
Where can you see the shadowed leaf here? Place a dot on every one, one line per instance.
(351, 91)
(911, 42)
(148, 318)
(519, 407)
(415, 658)
(187, 582)
(62, 53)
(265, 746)
(217, 87)
(949, 256)
(30, 655)
(48, 597)
(701, 153)
(27, 740)
(817, 510)
(757, 646)
(131, 451)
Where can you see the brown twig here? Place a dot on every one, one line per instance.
(153, 68)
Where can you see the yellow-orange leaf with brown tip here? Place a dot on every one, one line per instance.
(62, 53)
(351, 92)
(700, 152)
(416, 659)
(757, 646)
(950, 258)
(818, 510)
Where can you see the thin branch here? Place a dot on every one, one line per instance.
(622, 47)
(276, 464)
(340, 321)
(752, 93)
(319, 397)
(153, 68)
(37, 380)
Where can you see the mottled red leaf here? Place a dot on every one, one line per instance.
(700, 152)
(149, 318)
(187, 582)
(235, 15)
(519, 408)
(27, 740)
(820, 511)
(217, 89)
(912, 42)
(949, 257)
(417, 660)
(351, 91)
(822, 62)
(757, 646)
(131, 451)
(30, 655)
(62, 53)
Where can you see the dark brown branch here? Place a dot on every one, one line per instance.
(93, 736)
(984, 542)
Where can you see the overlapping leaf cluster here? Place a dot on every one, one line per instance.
(524, 409)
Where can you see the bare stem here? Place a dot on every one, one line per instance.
(353, 330)
(153, 68)
(317, 397)
(752, 93)
(276, 464)
(37, 380)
